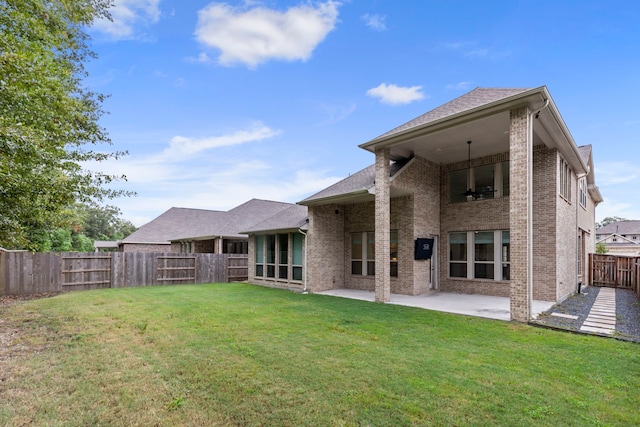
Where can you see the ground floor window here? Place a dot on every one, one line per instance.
(296, 256)
(281, 254)
(259, 240)
(363, 253)
(480, 255)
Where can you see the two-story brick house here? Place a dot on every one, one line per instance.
(492, 180)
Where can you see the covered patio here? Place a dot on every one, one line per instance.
(489, 307)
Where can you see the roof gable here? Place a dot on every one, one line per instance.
(360, 182)
(250, 213)
(293, 217)
(474, 99)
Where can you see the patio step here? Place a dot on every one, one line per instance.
(602, 317)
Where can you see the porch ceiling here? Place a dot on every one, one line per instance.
(489, 135)
(443, 140)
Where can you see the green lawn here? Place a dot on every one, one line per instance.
(236, 354)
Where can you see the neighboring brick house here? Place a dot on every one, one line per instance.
(510, 214)
(620, 237)
(200, 230)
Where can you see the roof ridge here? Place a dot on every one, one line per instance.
(464, 102)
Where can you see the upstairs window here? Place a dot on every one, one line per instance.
(583, 193)
(486, 182)
(565, 180)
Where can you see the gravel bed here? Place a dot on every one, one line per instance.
(627, 313)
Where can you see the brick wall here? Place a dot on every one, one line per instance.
(519, 146)
(545, 199)
(422, 178)
(138, 247)
(567, 251)
(325, 267)
(478, 215)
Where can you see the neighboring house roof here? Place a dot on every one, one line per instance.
(238, 219)
(200, 224)
(292, 218)
(361, 183)
(174, 223)
(620, 227)
(619, 240)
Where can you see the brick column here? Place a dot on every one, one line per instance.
(383, 223)
(520, 214)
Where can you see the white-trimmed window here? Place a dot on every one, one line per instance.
(565, 180)
(296, 256)
(282, 254)
(583, 192)
(480, 255)
(271, 255)
(363, 253)
(259, 243)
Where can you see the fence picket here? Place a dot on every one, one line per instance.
(28, 273)
(615, 271)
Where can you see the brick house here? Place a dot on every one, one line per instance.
(620, 237)
(200, 230)
(492, 181)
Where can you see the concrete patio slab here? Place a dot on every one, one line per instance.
(472, 305)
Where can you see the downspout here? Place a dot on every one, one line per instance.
(534, 115)
(304, 264)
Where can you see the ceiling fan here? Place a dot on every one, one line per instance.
(470, 192)
(477, 195)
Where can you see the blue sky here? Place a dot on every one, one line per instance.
(221, 102)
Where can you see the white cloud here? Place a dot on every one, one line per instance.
(130, 17)
(188, 172)
(335, 113)
(181, 148)
(396, 95)
(375, 22)
(459, 86)
(614, 173)
(473, 49)
(257, 35)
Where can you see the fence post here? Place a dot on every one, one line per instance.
(3, 273)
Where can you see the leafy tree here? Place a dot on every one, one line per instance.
(87, 223)
(104, 223)
(48, 119)
(601, 248)
(609, 220)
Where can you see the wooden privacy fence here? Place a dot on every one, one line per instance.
(615, 271)
(28, 273)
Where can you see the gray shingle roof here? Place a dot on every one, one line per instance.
(359, 182)
(174, 223)
(248, 214)
(620, 227)
(476, 98)
(185, 223)
(293, 217)
(585, 152)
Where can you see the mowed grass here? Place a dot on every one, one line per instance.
(236, 354)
